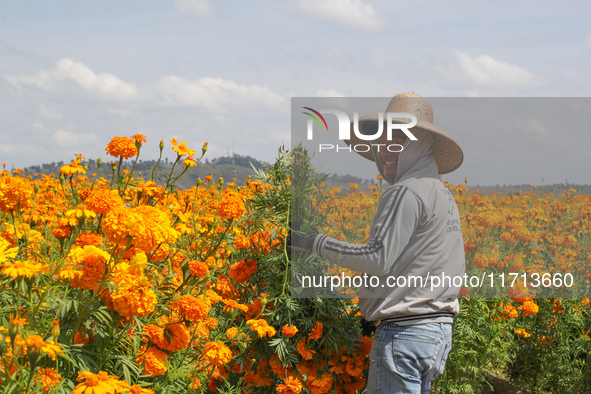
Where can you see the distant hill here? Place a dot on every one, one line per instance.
(237, 167)
(240, 167)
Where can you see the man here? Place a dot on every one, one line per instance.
(415, 236)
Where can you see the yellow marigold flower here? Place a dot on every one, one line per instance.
(73, 168)
(19, 268)
(190, 162)
(291, 385)
(192, 308)
(121, 147)
(6, 251)
(155, 362)
(182, 149)
(36, 343)
(76, 216)
(261, 327)
(354, 186)
(14, 192)
(289, 331)
(217, 353)
(91, 384)
(47, 378)
(523, 333)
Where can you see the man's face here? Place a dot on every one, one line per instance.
(387, 158)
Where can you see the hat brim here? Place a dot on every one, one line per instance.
(447, 153)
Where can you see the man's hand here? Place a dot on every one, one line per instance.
(301, 240)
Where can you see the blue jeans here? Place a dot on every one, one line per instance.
(406, 359)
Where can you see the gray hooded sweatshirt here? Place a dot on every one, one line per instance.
(415, 247)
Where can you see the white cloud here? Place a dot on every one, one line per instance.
(198, 8)
(214, 94)
(101, 85)
(67, 139)
(328, 93)
(486, 72)
(536, 129)
(348, 13)
(49, 113)
(589, 41)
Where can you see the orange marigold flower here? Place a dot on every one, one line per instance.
(290, 385)
(171, 337)
(121, 147)
(93, 262)
(261, 327)
(231, 333)
(289, 331)
(198, 268)
(316, 332)
(320, 385)
(232, 305)
(304, 351)
(155, 362)
(61, 232)
(529, 308)
(148, 227)
(241, 242)
(217, 353)
(135, 299)
(103, 200)
(47, 378)
(243, 270)
(192, 308)
(231, 206)
(89, 239)
(139, 138)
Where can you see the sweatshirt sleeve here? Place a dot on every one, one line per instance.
(397, 218)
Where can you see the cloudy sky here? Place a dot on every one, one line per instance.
(76, 73)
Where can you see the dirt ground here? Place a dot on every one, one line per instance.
(501, 385)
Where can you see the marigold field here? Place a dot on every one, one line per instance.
(125, 285)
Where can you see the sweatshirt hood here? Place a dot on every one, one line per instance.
(415, 156)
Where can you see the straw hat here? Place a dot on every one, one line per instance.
(447, 153)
